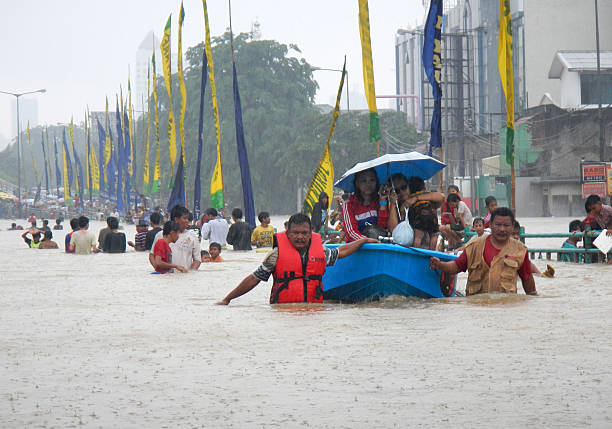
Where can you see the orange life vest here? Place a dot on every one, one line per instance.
(294, 282)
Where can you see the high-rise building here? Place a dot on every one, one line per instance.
(28, 112)
(143, 63)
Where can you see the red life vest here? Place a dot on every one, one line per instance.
(294, 282)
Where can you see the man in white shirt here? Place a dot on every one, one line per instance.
(186, 250)
(214, 229)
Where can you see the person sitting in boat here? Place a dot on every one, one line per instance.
(452, 224)
(365, 207)
(493, 262)
(422, 206)
(297, 264)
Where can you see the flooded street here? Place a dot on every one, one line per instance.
(99, 341)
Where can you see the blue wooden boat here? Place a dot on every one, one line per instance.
(379, 270)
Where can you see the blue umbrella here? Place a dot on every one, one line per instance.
(409, 164)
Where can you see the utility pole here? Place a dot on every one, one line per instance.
(602, 130)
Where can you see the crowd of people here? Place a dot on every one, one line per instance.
(401, 210)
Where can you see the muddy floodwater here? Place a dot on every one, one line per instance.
(99, 341)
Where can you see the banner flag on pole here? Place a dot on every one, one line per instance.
(166, 61)
(127, 182)
(44, 150)
(197, 187)
(145, 165)
(157, 167)
(107, 144)
(77, 163)
(432, 63)
(177, 195)
(504, 59)
(216, 185)
(94, 167)
(368, 69)
(132, 163)
(243, 158)
(68, 176)
(323, 179)
(58, 173)
(121, 162)
(181, 80)
(32, 155)
(101, 154)
(48, 145)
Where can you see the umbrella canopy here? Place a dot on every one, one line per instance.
(409, 164)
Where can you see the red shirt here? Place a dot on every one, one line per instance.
(356, 216)
(487, 220)
(162, 249)
(491, 252)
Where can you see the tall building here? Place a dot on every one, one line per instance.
(143, 63)
(28, 112)
(473, 105)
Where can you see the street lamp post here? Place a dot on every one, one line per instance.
(348, 106)
(17, 95)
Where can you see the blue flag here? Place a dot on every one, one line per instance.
(120, 163)
(127, 147)
(432, 62)
(68, 167)
(102, 139)
(197, 187)
(42, 142)
(79, 170)
(177, 195)
(58, 172)
(243, 159)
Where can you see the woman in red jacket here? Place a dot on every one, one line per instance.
(365, 207)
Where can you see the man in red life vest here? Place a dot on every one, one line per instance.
(297, 264)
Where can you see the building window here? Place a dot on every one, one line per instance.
(589, 90)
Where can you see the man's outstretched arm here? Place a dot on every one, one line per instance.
(449, 267)
(245, 286)
(350, 248)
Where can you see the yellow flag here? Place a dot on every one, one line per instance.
(88, 157)
(182, 87)
(145, 166)
(166, 61)
(216, 185)
(65, 157)
(94, 167)
(368, 69)
(107, 144)
(504, 59)
(157, 168)
(32, 155)
(323, 179)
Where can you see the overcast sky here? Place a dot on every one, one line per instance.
(80, 50)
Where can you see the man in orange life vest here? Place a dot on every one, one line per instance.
(494, 262)
(297, 264)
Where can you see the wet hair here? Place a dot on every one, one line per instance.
(590, 201)
(453, 198)
(170, 226)
(45, 222)
(478, 219)
(211, 212)
(204, 253)
(237, 213)
(13, 225)
(262, 215)
(453, 187)
(575, 225)
(416, 184)
(155, 218)
(74, 223)
(490, 199)
(215, 245)
(504, 212)
(83, 221)
(178, 211)
(324, 195)
(357, 176)
(58, 221)
(48, 235)
(112, 222)
(36, 234)
(298, 219)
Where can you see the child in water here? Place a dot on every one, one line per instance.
(575, 227)
(215, 252)
(205, 256)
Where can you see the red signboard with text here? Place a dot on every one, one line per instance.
(594, 178)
